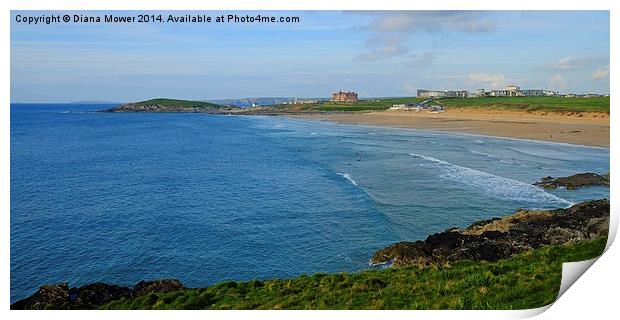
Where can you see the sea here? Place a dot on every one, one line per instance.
(124, 197)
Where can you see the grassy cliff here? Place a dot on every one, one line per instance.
(168, 105)
(176, 103)
(524, 281)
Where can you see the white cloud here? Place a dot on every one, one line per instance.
(571, 63)
(392, 30)
(383, 48)
(601, 73)
(493, 81)
(557, 82)
(432, 21)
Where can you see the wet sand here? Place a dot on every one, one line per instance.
(590, 129)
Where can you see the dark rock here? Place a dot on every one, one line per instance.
(94, 295)
(501, 238)
(54, 296)
(91, 296)
(60, 297)
(156, 286)
(575, 181)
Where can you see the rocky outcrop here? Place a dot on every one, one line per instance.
(91, 296)
(575, 181)
(143, 288)
(501, 238)
(54, 296)
(131, 107)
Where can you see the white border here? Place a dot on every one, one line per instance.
(593, 295)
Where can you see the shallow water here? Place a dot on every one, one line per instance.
(125, 197)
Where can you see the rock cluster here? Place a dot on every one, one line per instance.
(575, 181)
(91, 296)
(501, 238)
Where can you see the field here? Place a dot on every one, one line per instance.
(557, 104)
(524, 281)
(362, 105)
(545, 104)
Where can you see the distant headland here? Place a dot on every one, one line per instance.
(167, 105)
(580, 120)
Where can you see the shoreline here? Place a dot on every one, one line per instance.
(587, 129)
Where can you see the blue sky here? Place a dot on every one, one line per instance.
(374, 53)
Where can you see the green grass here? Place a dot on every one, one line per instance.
(558, 104)
(362, 105)
(527, 280)
(177, 103)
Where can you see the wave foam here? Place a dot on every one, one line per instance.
(348, 177)
(493, 185)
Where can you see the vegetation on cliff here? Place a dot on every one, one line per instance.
(545, 104)
(176, 103)
(528, 280)
(167, 105)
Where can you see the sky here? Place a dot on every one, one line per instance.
(377, 54)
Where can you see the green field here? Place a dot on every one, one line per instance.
(525, 281)
(557, 104)
(177, 103)
(362, 105)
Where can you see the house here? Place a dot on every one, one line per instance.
(342, 96)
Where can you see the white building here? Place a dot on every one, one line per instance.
(431, 94)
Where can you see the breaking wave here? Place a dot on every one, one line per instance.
(493, 185)
(348, 177)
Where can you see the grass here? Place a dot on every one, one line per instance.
(545, 104)
(528, 280)
(362, 105)
(552, 104)
(177, 103)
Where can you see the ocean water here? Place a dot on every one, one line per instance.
(125, 197)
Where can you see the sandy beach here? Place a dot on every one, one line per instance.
(590, 129)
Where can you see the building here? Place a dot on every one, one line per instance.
(533, 92)
(509, 91)
(513, 91)
(498, 93)
(431, 94)
(457, 94)
(342, 96)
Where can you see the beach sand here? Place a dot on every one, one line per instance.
(590, 129)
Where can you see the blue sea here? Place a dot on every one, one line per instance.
(125, 197)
